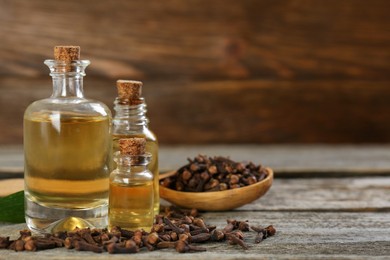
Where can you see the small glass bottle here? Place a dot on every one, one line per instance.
(131, 187)
(130, 121)
(67, 151)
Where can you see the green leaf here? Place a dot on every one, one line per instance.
(12, 208)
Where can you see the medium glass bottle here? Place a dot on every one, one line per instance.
(130, 121)
(131, 187)
(67, 151)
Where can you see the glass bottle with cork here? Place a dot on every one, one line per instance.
(67, 151)
(131, 187)
(130, 121)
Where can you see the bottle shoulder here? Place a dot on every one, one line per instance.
(126, 177)
(76, 106)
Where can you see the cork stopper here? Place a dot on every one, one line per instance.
(67, 53)
(132, 146)
(129, 90)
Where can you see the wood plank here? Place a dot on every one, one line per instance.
(316, 194)
(291, 160)
(300, 235)
(223, 72)
(198, 39)
(326, 194)
(212, 112)
(286, 160)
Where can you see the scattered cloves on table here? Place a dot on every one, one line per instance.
(177, 229)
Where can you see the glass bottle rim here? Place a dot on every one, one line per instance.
(51, 62)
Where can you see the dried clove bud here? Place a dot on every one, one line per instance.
(213, 169)
(84, 246)
(200, 223)
(270, 230)
(69, 242)
(243, 226)
(194, 167)
(86, 235)
(173, 226)
(231, 223)
(149, 246)
(185, 237)
(113, 239)
(233, 239)
(184, 247)
(194, 213)
(157, 228)
(217, 235)
(120, 232)
(259, 238)
(4, 242)
(263, 233)
(137, 238)
(166, 182)
(174, 236)
(153, 238)
(234, 179)
(166, 244)
(186, 175)
(164, 237)
(19, 245)
(114, 248)
(34, 245)
(203, 237)
(211, 184)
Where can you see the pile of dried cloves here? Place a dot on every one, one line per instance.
(214, 174)
(178, 229)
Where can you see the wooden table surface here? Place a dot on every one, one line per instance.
(327, 202)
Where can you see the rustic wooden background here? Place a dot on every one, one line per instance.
(221, 71)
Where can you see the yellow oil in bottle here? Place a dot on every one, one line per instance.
(66, 160)
(152, 148)
(131, 205)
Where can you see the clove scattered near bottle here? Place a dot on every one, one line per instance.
(214, 174)
(174, 229)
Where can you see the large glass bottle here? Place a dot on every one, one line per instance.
(130, 121)
(131, 189)
(67, 150)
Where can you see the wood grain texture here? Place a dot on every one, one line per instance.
(233, 111)
(299, 235)
(325, 194)
(315, 218)
(215, 72)
(196, 39)
(292, 161)
(318, 194)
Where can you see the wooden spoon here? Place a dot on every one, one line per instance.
(217, 200)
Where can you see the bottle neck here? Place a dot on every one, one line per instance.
(67, 86)
(132, 163)
(67, 78)
(129, 118)
(131, 169)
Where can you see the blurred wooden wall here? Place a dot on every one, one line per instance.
(221, 71)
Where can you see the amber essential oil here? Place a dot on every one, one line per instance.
(66, 166)
(131, 194)
(152, 148)
(130, 205)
